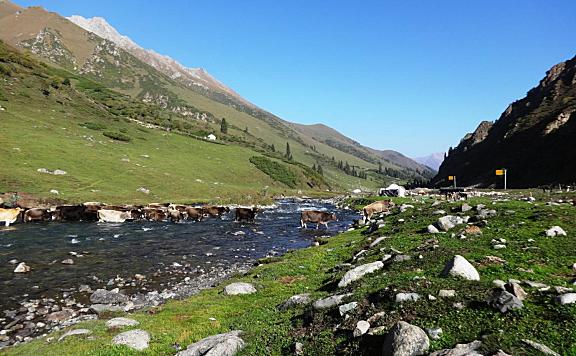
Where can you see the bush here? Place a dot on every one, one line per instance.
(118, 136)
(93, 126)
(274, 170)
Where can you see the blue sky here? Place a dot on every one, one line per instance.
(409, 75)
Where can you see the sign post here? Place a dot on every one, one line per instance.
(452, 178)
(503, 172)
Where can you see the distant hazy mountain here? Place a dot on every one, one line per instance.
(433, 160)
(534, 139)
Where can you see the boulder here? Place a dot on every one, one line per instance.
(103, 296)
(514, 288)
(504, 301)
(458, 266)
(361, 328)
(555, 231)
(461, 350)
(227, 344)
(330, 302)
(568, 298)
(75, 333)
(22, 268)
(448, 222)
(120, 323)
(295, 300)
(135, 339)
(405, 340)
(359, 272)
(239, 288)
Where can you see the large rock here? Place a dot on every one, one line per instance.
(555, 231)
(103, 296)
(295, 300)
(568, 298)
(227, 344)
(135, 339)
(120, 323)
(239, 288)
(77, 332)
(504, 301)
(458, 266)
(359, 272)
(461, 350)
(331, 301)
(405, 340)
(448, 222)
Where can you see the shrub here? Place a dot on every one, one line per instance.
(118, 136)
(93, 125)
(275, 170)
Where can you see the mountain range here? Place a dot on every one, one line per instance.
(534, 139)
(157, 91)
(433, 160)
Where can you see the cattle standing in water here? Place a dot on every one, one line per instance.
(318, 217)
(196, 214)
(216, 211)
(113, 216)
(69, 213)
(91, 211)
(36, 214)
(174, 215)
(377, 207)
(154, 214)
(9, 216)
(246, 214)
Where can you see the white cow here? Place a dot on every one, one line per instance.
(113, 216)
(9, 216)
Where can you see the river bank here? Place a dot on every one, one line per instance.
(407, 285)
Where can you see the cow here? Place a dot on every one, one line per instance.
(91, 211)
(9, 216)
(246, 214)
(196, 214)
(69, 213)
(174, 215)
(377, 207)
(113, 216)
(154, 214)
(216, 211)
(315, 216)
(36, 214)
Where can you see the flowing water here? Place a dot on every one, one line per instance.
(103, 251)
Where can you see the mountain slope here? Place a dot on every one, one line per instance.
(433, 160)
(534, 139)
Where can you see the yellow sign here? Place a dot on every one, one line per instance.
(450, 177)
(499, 172)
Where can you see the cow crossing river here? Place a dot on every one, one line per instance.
(99, 255)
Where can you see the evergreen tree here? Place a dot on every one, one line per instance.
(320, 170)
(224, 126)
(380, 167)
(273, 148)
(288, 154)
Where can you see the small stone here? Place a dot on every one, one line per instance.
(298, 349)
(139, 277)
(432, 229)
(361, 328)
(135, 339)
(434, 333)
(76, 332)
(103, 296)
(359, 272)
(499, 283)
(461, 350)
(345, 308)
(458, 266)
(68, 261)
(22, 268)
(447, 293)
(540, 347)
(331, 301)
(431, 297)
(120, 323)
(239, 288)
(568, 298)
(555, 231)
(376, 317)
(60, 316)
(504, 301)
(515, 289)
(499, 247)
(295, 300)
(407, 297)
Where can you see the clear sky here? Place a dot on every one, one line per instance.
(409, 75)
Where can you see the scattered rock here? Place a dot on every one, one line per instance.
(120, 323)
(407, 297)
(432, 229)
(540, 347)
(239, 288)
(461, 350)
(60, 316)
(448, 222)
(227, 344)
(103, 296)
(434, 333)
(22, 268)
(380, 239)
(295, 300)
(465, 207)
(143, 190)
(405, 339)
(75, 333)
(446, 293)
(359, 272)
(345, 308)
(493, 260)
(135, 339)
(105, 308)
(538, 285)
(472, 230)
(501, 353)
(555, 231)
(514, 288)
(458, 266)
(568, 298)
(504, 301)
(498, 246)
(68, 261)
(330, 302)
(361, 328)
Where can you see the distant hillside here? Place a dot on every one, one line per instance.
(432, 160)
(534, 139)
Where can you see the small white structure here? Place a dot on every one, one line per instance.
(393, 190)
(211, 137)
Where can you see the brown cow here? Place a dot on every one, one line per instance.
(36, 214)
(196, 214)
(246, 214)
(216, 211)
(174, 215)
(315, 216)
(377, 207)
(69, 213)
(154, 214)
